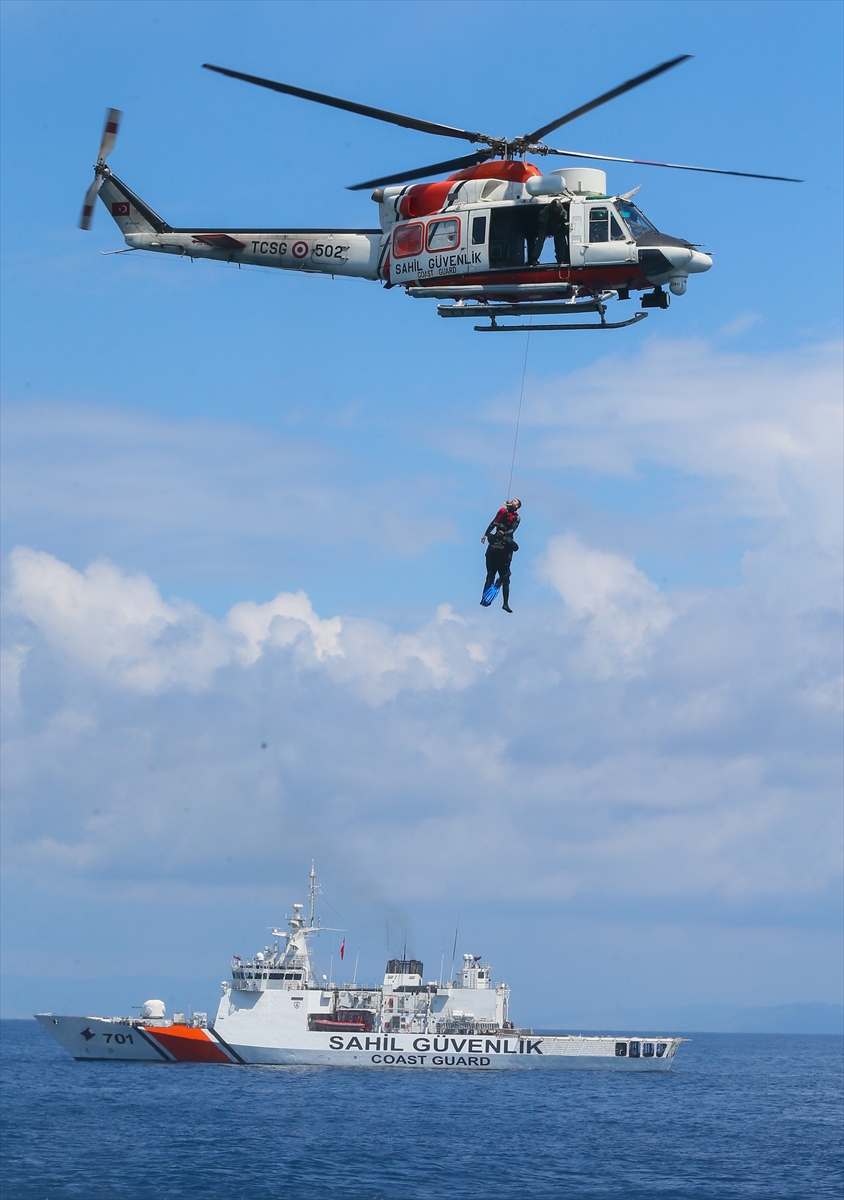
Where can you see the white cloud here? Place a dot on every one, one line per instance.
(762, 432)
(570, 757)
(622, 609)
(115, 625)
(756, 422)
(119, 628)
(279, 622)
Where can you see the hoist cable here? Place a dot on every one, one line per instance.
(519, 413)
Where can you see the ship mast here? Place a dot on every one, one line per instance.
(313, 889)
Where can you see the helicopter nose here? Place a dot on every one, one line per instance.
(699, 263)
(687, 259)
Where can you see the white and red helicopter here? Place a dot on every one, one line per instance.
(479, 240)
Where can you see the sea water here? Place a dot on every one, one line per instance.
(739, 1115)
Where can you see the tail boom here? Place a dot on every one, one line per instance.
(349, 252)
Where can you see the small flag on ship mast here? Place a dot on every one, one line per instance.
(343, 949)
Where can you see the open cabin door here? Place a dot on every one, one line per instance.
(513, 229)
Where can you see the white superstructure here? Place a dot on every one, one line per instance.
(274, 1010)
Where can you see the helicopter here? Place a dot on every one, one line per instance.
(476, 241)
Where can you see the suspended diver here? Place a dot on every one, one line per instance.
(500, 552)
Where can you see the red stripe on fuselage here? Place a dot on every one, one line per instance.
(625, 275)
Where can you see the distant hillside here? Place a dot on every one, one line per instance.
(717, 1018)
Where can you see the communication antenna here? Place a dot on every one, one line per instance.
(315, 889)
(454, 948)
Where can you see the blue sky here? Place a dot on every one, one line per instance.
(241, 507)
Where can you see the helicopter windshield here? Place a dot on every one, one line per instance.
(637, 222)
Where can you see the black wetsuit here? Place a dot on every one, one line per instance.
(500, 550)
(554, 221)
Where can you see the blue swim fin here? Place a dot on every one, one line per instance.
(490, 594)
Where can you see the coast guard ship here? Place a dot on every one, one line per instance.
(274, 1011)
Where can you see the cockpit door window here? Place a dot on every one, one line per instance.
(599, 224)
(478, 238)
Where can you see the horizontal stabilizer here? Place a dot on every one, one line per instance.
(219, 241)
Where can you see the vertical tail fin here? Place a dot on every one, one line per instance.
(130, 213)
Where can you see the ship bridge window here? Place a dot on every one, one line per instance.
(661, 1047)
(444, 235)
(637, 222)
(404, 966)
(478, 231)
(647, 1049)
(621, 1049)
(635, 1049)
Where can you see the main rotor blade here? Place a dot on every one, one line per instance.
(644, 162)
(619, 91)
(364, 110)
(453, 164)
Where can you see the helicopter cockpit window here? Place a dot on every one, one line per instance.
(407, 240)
(478, 231)
(599, 225)
(616, 232)
(444, 235)
(637, 222)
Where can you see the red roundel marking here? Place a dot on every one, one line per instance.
(300, 249)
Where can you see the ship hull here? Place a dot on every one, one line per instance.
(114, 1040)
(103, 1039)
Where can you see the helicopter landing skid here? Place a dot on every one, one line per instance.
(494, 328)
(575, 307)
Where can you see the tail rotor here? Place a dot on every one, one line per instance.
(112, 125)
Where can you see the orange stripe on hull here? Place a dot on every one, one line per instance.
(187, 1044)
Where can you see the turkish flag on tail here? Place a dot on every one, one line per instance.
(343, 949)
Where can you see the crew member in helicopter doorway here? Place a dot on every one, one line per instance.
(553, 222)
(499, 552)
